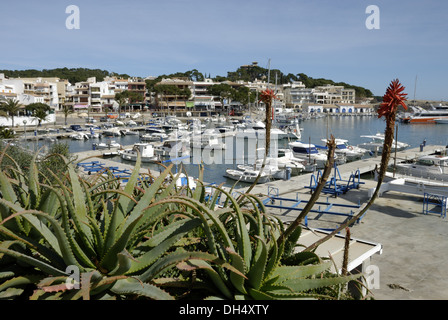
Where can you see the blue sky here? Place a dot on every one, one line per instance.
(321, 38)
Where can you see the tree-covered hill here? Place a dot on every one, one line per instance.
(73, 75)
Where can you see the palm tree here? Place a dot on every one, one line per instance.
(66, 109)
(10, 108)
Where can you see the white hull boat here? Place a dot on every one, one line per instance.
(146, 151)
(107, 145)
(426, 167)
(376, 145)
(247, 175)
(351, 153)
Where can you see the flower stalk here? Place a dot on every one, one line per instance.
(393, 98)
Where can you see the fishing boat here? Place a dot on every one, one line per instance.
(427, 167)
(146, 151)
(377, 142)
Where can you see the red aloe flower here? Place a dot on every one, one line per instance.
(392, 99)
(267, 96)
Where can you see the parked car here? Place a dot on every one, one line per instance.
(76, 127)
(90, 120)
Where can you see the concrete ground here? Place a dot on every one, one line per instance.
(413, 262)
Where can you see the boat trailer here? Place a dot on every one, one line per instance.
(336, 185)
(324, 207)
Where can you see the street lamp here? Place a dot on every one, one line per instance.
(24, 127)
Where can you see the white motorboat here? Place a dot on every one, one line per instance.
(247, 175)
(107, 145)
(128, 132)
(156, 136)
(377, 142)
(308, 153)
(79, 136)
(173, 148)
(427, 167)
(350, 152)
(146, 151)
(209, 139)
(112, 132)
(271, 168)
(441, 120)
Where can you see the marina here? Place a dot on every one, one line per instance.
(351, 185)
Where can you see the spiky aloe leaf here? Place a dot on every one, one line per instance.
(170, 239)
(61, 237)
(33, 184)
(300, 285)
(125, 204)
(176, 257)
(147, 197)
(109, 261)
(217, 280)
(257, 270)
(286, 273)
(237, 279)
(132, 286)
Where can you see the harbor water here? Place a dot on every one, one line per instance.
(313, 131)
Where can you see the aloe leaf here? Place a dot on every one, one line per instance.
(132, 286)
(109, 260)
(152, 255)
(286, 273)
(237, 279)
(44, 267)
(257, 271)
(124, 203)
(300, 285)
(33, 184)
(61, 237)
(147, 198)
(212, 274)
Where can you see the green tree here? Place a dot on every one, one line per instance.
(66, 110)
(39, 111)
(10, 108)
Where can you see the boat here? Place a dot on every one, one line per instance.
(427, 167)
(173, 148)
(441, 121)
(128, 132)
(377, 142)
(156, 136)
(146, 151)
(209, 139)
(247, 175)
(351, 153)
(421, 115)
(79, 136)
(185, 181)
(112, 132)
(107, 145)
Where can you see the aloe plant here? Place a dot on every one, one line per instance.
(248, 263)
(106, 233)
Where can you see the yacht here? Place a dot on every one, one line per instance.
(146, 151)
(308, 153)
(421, 115)
(173, 148)
(427, 167)
(247, 175)
(152, 137)
(351, 153)
(107, 145)
(377, 142)
(210, 139)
